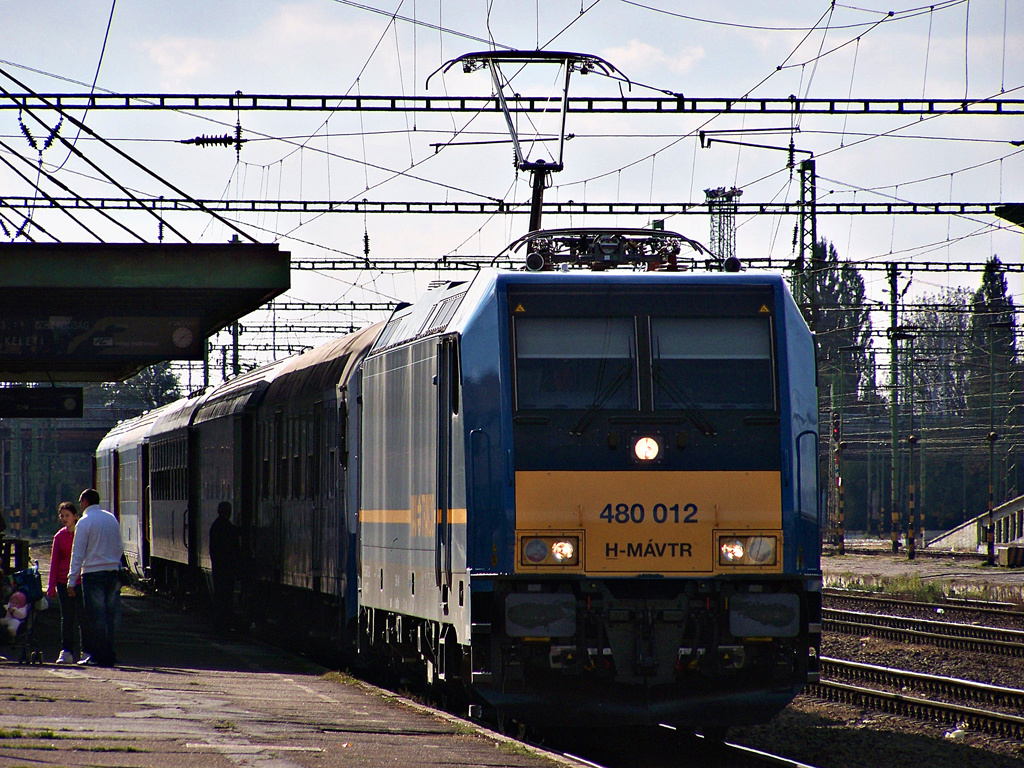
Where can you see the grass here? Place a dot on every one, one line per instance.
(110, 749)
(515, 748)
(924, 590)
(338, 677)
(24, 733)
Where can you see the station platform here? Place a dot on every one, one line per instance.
(182, 696)
(869, 563)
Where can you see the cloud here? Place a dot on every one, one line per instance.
(180, 61)
(638, 56)
(298, 42)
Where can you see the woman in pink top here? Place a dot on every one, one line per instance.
(71, 608)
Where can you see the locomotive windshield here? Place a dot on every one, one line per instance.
(575, 363)
(662, 363)
(711, 363)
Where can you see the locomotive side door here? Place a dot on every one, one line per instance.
(447, 390)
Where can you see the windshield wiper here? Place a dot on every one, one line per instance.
(600, 399)
(693, 411)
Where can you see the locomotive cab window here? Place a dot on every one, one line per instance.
(712, 363)
(575, 363)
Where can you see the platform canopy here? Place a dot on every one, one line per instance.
(1012, 212)
(102, 312)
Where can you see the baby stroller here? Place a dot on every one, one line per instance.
(26, 600)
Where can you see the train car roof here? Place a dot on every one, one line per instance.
(450, 306)
(132, 430)
(320, 369)
(629, 277)
(429, 315)
(239, 393)
(178, 415)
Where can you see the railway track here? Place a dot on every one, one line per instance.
(994, 640)
(1003, 613)
(896, 695)
(662, 747)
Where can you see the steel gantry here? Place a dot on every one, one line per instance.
(492, 207)
(459, 262)
(675, 103)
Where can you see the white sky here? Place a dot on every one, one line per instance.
(970, 49)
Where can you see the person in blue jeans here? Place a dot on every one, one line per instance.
(96, 556)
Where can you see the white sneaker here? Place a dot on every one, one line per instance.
(65, 658)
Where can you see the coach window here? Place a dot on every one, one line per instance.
(313, 449)
(712, 363)
(575, 363)
(281, 453)
(298, 440)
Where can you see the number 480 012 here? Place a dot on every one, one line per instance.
(660, 513)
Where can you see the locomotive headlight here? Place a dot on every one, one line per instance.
(748, 550)
(646, 449)
(563, 550)
(549, 550)
(732, 550)
(761, 549)
(535, 551)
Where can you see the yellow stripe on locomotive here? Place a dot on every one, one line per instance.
(626, 523)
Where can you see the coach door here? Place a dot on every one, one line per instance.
(447, 391)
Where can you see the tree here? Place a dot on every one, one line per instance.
(151, 388)
(936, 382)
(941, 351)
(834, 309)
(832, 295)
(993, 342)
(995, 379)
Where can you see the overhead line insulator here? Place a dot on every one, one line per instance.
(227, 140)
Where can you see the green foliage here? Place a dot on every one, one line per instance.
(992, 344)
(832, 300)
(937, 376)
(151, 388)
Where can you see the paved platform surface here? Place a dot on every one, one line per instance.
(871, 562)
(185, 697)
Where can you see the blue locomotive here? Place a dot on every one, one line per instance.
(582, 496)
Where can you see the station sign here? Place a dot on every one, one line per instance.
(110, 337)
(40, 402)
(82, 312)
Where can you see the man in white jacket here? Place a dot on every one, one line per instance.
(96, 555)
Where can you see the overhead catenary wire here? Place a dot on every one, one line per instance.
(95, 78)
(907, 13)
(653, 157)
(78, 124)
(65, 187)
(40, 191)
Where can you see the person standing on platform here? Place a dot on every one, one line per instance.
(71, 608)
(95, 560)
(225, 556)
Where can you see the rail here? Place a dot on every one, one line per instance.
(1004, 642)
